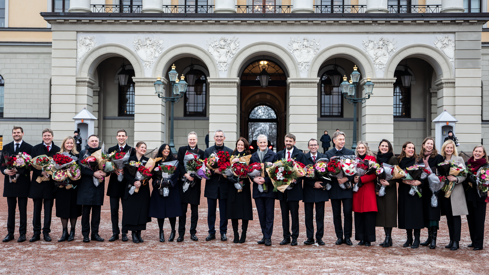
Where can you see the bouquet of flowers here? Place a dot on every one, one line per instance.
(482, 181)
(321, 170)
(310, 171)
(162, 174)
(362, 167)
(19, 163)
(435, 182)
(443, 168)
(90, 162)
(282, 174)
(349, 165)
(195, 167)
(62, 160)
(380, 171)
(300, 169)
(41, 162)
(142, 174)
(74, 172)
(372, 167)
(258, 170)
(240, 171)
(119, 160)
(398, 173)
(335, 169)
(455, 170)
(388, 172)
(414, 173)
(105, 161)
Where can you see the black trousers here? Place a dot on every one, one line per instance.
(476, 220)
(114, 215)
(194, 218)
(454, 222)
(48, 211)
(95, 209)
(325, 149)
(211, 216)
(12, 204)
(365, 226)
(347, 213)
(266, 211)
(291, 207)
(309, 209)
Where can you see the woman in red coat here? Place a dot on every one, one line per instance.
(365, 201)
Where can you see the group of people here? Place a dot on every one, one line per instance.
(397, 208)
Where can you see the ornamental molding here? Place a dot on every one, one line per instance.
(223, 50)
(85, 82)
(304, 51)
(303, 82)
(147, 81)
(379, 51)
(223, 82)
(85, 44)
(148, 50)
(447, 46)
(445, 83)
(381, 82)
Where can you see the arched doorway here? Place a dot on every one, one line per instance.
(263, 120)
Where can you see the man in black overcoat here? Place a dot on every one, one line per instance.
(339, 195)
(18, 191)
(216, 188)
(325, 142)
(43, 192)
(289, 200)
(315, 193)
(192, 195)
(115, 190)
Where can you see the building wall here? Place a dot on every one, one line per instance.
(32, 129)
(485, 94)
(26, 13)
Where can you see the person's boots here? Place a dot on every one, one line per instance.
(236, 234)
(64, 236)
(385, 231)
(417, 232)
(388, 237)
(433, 237)
(162, 236)
(409, 241)
(430, 236)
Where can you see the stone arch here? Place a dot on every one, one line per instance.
(92, 59)
(439, 61)
(352, 53)
(181, 51)
(249, 99)
(263, 48)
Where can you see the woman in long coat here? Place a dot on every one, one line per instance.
(410, 210)
(387, 205)
(135, 207)
(430, 157)
(66, 207)
(455, 205)
(239, 204)
(364, 201)
(161, 207)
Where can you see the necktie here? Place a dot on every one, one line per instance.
(122, 149)
(47, 147)
(288, 155)
(17, 145)
(314, 158)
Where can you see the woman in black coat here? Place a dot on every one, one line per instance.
(135, 207)
(410, 210)
(239, 204)
(430, 157)
(66, 207)
(161, 207)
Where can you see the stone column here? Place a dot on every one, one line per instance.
(378, 113)
(225, 6)
(377, 6)
(452, 6)
(302, 117)
(223, 107)
(445, 95)
(152, 6)
(79, 6)
(303, 6)
(150, 114)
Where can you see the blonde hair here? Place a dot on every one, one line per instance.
(73, 151)
(455, 152)
(367, 149)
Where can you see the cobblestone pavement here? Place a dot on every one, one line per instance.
(217, 257)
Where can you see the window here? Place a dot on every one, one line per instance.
(263, 6)
(262, 120)
(331, 6)
(472, 6)
(402, 98)
(59, 5)
(331, 104)
(131, 6)
(196, 96)
(126, 98)
(196, 6)
(399, 6)
(2, 95)
(2, 13)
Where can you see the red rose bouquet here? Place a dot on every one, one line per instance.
(161, 176)
(119, 160)
(90, 162)
(240, 171)
(223, 163)
(20, 163)
(62, 160)
(334, 168)
(258, 170)
(196, 168)
(40, 162)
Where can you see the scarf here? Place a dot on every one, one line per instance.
(362, 156)
(384, 158)
(406, 162)
(219, 148)
(474, 165)
(195, 150)
(261, 154)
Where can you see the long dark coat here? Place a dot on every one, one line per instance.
(166, 207)
(66, 206)
(325, 141)
(431, 213)
(46, 189)
(336, 192)
(192, 195)
(135, 207)
(387, 205)
(295, 194)
(88, 194)
(20, 189)
(312, 194)
(116, 188)
(270, 156)
(410, 208)
(217, 186)
(239, 204)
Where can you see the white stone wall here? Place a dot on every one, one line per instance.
(485, 94)
(110, 131)
(201, 127)
(32, 129)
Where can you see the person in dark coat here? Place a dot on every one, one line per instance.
(18, 191)
(66, 207)
(239, 201)
(216, 188)
(264, 199)
(78, 140)
(135, 207)
(115, 190)
(207, 141)
(42, 193)
(410, 209)
(451, 137)
(430, 157)
(387, 204)
(289, 200)
(337, 195)
(315, 193)
(325, 142)
(161, 207)
(91, 197)
(476, 201)
(192, 195)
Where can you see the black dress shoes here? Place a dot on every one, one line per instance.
(211, 237)
(64, 236)
(124, 237)
(262, 241)
(21, 238)
(320, 242)
(367, 244)
(361, 242)
(339, 241)
(454, 246)
(86, 239)
(470, 245)
(309, 242)
(268, 242)
(285, 241)
(477, 248)
(8, 238)
(294, 242)
(224, 237)
(46, 237)
(35, 238)
(180, 239)
(193, 238)
(172, 236)
(348, 241)
(242, 239)
(114, 237)
(449, 245)
(96, 237)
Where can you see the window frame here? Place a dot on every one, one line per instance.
(407, 92)
(2, 84)
(121, 94)
(205, 92)
(336, 91)
(469, 6)
(64, 8)
(4, 18)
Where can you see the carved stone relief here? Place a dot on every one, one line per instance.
(148, 50)
(304, 51)
(222, 50)
(379, 51)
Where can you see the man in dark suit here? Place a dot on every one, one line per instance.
(339, 195)
(43, 192)
(216, 188)
(325, 142)
(78, 139)
(18, 191)
(192, 195)
(314, 193)
(289, 200)
(115, 190)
